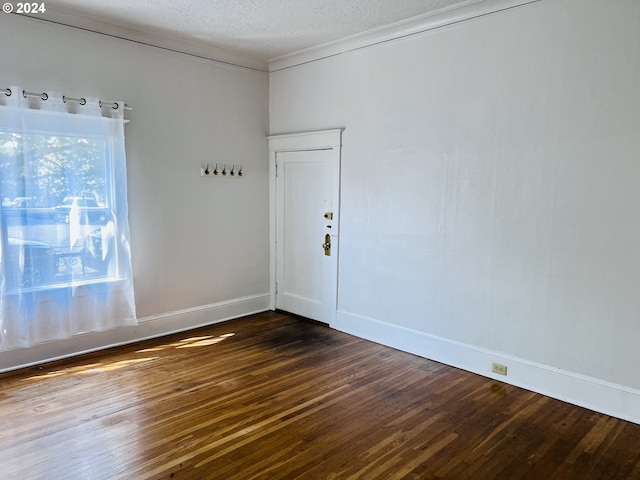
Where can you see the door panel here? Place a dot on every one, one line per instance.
(307, 184)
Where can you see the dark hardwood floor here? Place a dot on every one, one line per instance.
(272, 396)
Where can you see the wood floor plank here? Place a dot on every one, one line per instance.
(272, 396)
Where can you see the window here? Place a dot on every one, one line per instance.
(64, 233)
(57, 221)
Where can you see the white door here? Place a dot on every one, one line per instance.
(306, 231)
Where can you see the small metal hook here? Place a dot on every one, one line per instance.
(206, 170)
(232, 172)
(224, 169)
(215, 170)
(240, 171)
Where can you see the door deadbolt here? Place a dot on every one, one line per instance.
(327, 245)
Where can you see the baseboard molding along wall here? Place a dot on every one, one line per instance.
(594, 394)
(598, 395)
(147, 328)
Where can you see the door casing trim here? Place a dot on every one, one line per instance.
(294, 142)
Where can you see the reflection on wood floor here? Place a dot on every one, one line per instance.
(273, 396)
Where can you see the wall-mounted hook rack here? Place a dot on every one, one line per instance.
(234, 171)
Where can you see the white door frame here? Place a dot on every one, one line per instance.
(292, 142)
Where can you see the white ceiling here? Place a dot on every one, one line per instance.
(258, 29)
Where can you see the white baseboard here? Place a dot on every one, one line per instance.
(148, 327)
(598, 395)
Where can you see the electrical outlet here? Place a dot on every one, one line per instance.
(499, 369)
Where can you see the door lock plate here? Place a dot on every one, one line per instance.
(327, 245)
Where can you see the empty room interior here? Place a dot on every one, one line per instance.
(321, 239)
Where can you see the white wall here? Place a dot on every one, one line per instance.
(491, 193)
(199, 245)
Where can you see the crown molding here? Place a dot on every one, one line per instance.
(412, 26)
(125, 32)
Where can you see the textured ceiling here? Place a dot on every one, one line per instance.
(261, 29)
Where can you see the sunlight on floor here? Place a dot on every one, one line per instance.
(205, 342)
(190, 342)
(90, 368)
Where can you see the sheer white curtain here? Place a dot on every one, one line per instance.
(64, 251)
